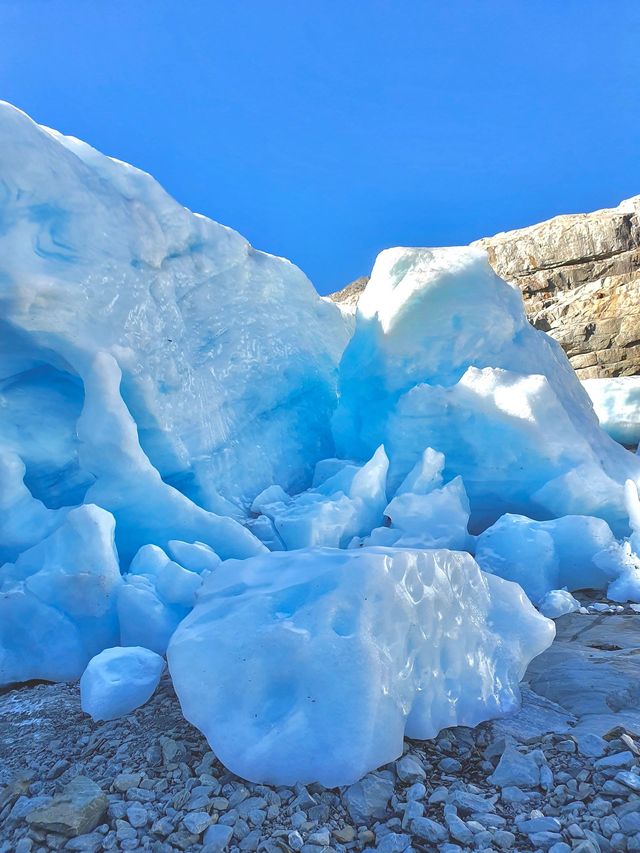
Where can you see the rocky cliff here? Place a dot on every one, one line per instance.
(580, 278)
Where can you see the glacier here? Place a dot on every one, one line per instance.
(338, 533)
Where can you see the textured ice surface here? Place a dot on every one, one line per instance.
(443, 356)
(350, 502)
(156, 595)
(617, 405)
(324, 658)
(558, 602)
(576, 552)
(58, 600)
(228, 354)
(119, 680)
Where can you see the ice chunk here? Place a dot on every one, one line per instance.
(58, 600)
(442, 356)
(156, 595)
(195, 556)
(348, 503)
(145, 507)
(547, 555)
(617, 405)
(324, 658)
(426, 474)
(437, 519)
(558, 602)
(119, 680)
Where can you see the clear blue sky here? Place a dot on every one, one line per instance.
(326, 131)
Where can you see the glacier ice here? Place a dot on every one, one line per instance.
(347, 504)
(156, 595)
(576, 552)
(191, 461)
(617, 404)
(325, 658)
(443, 356)
(58, 600)
(228, 355)
(119, 680)
(558, 602)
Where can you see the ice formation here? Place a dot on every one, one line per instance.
(324, 658)
(617, 405)
(190, 460)
(119, 680)
(228, 356)
(443, 356)
(58, 600)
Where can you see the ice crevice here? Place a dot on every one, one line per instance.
(338, 535)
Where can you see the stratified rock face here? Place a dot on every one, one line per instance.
(580, 278)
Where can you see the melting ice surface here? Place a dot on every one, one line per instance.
(191, 461)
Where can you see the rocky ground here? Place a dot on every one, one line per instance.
(562, 775)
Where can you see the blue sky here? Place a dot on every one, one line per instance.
(327, 131)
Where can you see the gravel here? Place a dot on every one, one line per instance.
(149, 781)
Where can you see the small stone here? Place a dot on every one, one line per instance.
(392, 842)
(458, 828)
(545, 840)
(560, 847)
(295, 840)
(368, 798)
(90, 843)
(125, 831)
(366, 836)
(217, 837)
(417, 791)
(25, 845)
(412, 810)
(440, 795)
(630, 780)
(345, 834)
(618, 759)
(513, 794)
(504, 839)
(450, 765)
(124, 781)
(515, 768)
(539, 824)
(630, 823)
(428, 829)
(410, 770)
(77, 811)
(591, 745)
(137, 815)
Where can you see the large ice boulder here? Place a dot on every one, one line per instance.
(228, 355)
(312, 665)
(443, 357)
(119, 680)
(58, 600)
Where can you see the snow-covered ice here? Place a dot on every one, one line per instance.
(617, 405)
(119, 680)
(325, 658)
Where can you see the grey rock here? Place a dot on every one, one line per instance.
(429, 830)
(77, 811)
(368, 798)
(137, 815)
(196, 822)
(630, 823)
(517, 769)
(539, 824)
(560, 847)
(503, 839)
(90, 843)
(124, 781)
(410, 770)
(618, 759)
(416, 791)
(295, 840)
(393, 842)
(217, 837)
(458, 829)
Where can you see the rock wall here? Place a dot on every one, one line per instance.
(580, 278)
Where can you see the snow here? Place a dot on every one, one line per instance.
(117, 681)
(444, 357)
(325, 658)
(617, 404)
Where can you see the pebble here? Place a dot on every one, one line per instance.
(196, 822)
(409, 770)
(217, 837)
